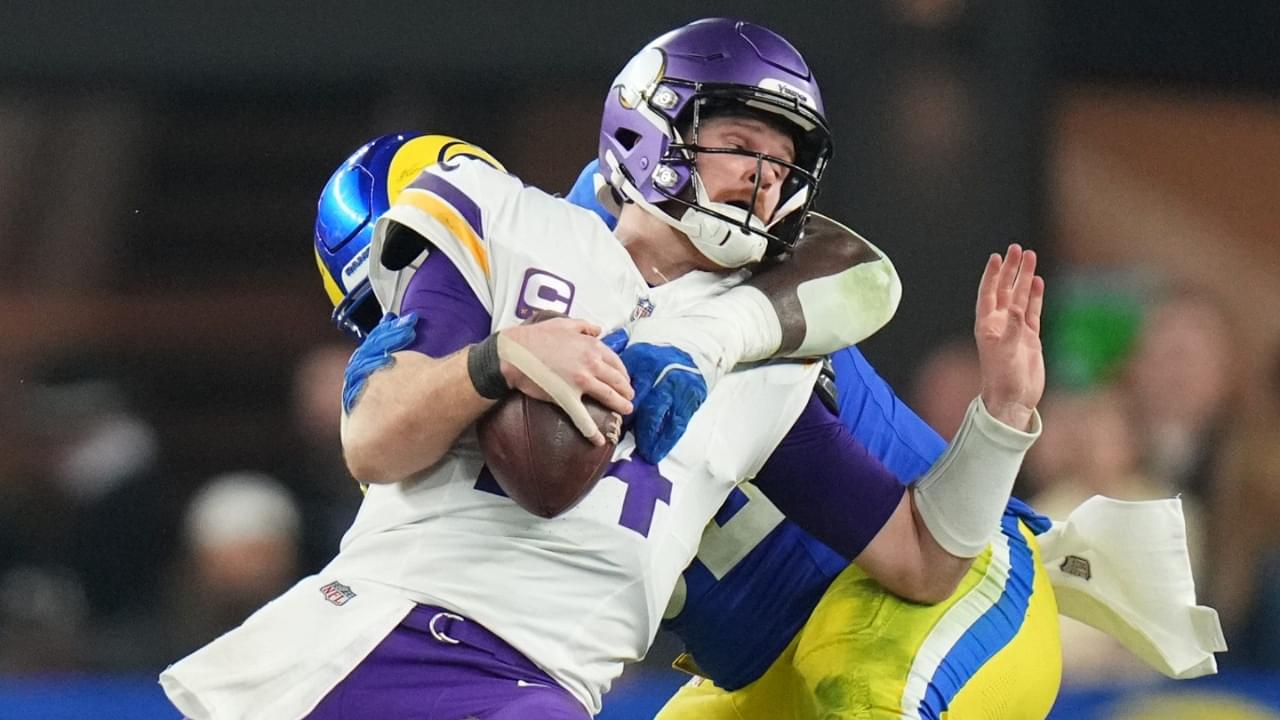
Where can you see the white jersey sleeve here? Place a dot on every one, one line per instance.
(449, 205)
(519, 249)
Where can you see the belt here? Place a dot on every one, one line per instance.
(448, 627)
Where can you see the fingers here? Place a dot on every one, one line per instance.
(571, 324)
(582, 420)
(987, 286)
(618, 381)
(1035, 303)
(586, 328)
(609, 396)
(602, 362)
(604, 365)
(1008, 274)
(615, 373)
(1007, 281)
(1022, 285)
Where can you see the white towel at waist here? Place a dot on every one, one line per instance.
(288, 655)
(1122, 567)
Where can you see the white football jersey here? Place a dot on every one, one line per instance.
(583, 593)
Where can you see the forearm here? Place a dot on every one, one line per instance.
(951, 514)
(408, 415)
(942, 570)
(834, 290)
(908, 562)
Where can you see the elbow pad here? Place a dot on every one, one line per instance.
(848, 307)
(964, 494)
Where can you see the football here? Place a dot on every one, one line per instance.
(539, 458)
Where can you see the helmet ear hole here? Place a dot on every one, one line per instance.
(626, 138)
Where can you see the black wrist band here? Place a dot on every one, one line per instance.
(485, 369)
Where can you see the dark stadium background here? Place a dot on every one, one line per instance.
(159, 165)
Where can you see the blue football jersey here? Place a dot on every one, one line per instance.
(758, 576)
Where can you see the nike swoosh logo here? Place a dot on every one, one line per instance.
(526, 683)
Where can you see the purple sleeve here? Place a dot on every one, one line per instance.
(826, 482)
(450, 315)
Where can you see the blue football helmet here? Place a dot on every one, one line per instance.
(358, 192)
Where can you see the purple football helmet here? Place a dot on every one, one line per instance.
(648, 136)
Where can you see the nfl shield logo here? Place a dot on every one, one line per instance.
(644, 308)
(337, 593)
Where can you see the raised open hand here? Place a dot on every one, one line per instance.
(1007, 330)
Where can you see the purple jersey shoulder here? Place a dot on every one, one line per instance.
(827, 482)
(450, 316)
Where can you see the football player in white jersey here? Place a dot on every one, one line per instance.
(446, 599)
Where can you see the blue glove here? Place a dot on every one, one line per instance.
(616, 340)
(583, 194)
(391, 334)
(669, 388)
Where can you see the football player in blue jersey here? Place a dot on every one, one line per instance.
(778, 625)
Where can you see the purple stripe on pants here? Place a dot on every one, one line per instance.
(438, 666)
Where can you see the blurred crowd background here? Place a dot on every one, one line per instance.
(169, 458)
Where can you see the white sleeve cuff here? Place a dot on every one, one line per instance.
(963, 496)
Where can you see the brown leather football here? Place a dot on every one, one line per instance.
(539, 458)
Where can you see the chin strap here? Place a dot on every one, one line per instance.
(795, 202)
(725, 244)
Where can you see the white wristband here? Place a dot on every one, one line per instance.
(963, 496)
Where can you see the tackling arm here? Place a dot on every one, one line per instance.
(831, 291)
(827, 482)
(834, 289)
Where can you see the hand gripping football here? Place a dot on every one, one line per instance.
(538, 456)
